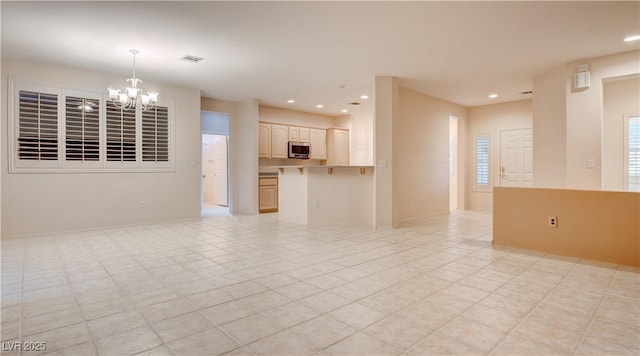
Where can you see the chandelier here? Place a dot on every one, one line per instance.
(132, 97)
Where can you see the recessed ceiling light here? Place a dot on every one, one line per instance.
(319, 106)
(291, 101)
(344, 110)
(364, 96)
(493, 96)
(632, 38)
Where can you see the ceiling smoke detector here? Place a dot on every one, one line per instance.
(192, 59)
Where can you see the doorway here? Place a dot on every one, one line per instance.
(516, 158)
(214, 184)
(214, 170)
(453, 163)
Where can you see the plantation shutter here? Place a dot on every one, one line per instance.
(121, 134)
(82, 129)
(482, 161)
(633, 155)
(155, 134)
(37, 126)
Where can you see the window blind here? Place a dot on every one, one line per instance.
(482, 161)
(121, 134)
(155, 134)
(634, 147)
(37, 126)
(82, 129)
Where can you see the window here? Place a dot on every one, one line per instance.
(59, 130)
(482, 162)
(121, 134)
(633, 154)
(37, 126)
(155, 135)
(82, 129)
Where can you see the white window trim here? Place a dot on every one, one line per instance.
(61, 165)
(489, 186)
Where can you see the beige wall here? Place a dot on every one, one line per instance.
(294, 117)
(243, 151)
(550, 129)
(361, 140)
(621, 100)
(343, 197)
(246, 157)
(492, 119)
(558, 109)
(385, 117)
(41, 203)
(597, 225)
(421, 170)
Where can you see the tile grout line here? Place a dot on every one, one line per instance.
(127, 297)
(77, 302)
(462, 312)
(593, 315)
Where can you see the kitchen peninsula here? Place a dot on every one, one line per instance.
(324, 194)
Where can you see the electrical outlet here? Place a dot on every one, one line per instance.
(553, 221)
(316, 204)
(143, 204)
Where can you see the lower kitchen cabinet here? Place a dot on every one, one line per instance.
(268, 194)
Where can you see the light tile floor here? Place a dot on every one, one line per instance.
(253, 285)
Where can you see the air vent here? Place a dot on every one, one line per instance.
(526, 92)
(354, 103)
(192, 59)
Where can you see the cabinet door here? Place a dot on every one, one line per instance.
(318, 143)
(268, 198)
(264, 140)
(304, 134)
(279, 140)
(337, 147)
(294, 133)
(342, 147)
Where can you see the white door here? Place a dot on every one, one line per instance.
(516, 158)
(220, 170)
(208, 182)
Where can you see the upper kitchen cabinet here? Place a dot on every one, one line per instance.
(304, 134)
(337, 147)
(279, 141)
(318, 140)
(264, 140)
(294, 133)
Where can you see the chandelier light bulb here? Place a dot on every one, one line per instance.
(123, 98)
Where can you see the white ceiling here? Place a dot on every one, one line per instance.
(272, 51)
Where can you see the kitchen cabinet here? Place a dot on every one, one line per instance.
(294, 133)
(279, 141)
(318, 141)
(264, 140)
(299, 134)
(304, 134)
(337, 147)
(268, 194)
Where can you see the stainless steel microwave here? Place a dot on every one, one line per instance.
(299, 150)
